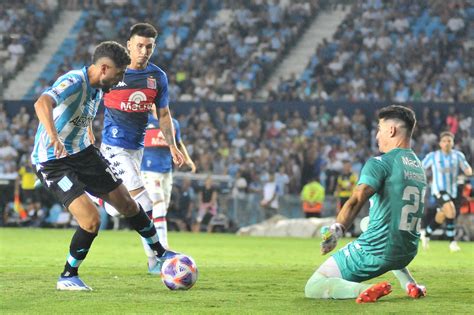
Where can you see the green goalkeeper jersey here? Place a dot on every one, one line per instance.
(397, 206)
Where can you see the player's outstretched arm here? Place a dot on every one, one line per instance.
(352, 207)
(349, 211)
(44, 110)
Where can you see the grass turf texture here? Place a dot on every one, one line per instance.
(236, 275)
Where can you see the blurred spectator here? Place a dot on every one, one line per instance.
(346, 182)
(181, 207)
(270, 198)
(26, 181)
(207, 206)
(312, 199)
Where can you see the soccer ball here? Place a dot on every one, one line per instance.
(179, 272)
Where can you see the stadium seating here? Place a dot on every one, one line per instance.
(402, 50)
(23, 25)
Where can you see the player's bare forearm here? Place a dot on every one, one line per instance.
(90, 133)
(166, 126)
(44, 111)
(352, 207)
(468, 171)
(187, 158)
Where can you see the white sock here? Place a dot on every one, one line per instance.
(404, 277)
(159, 219)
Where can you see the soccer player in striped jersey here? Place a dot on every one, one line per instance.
(143, 90)
(395, 182)
(445, 165)
(157, 167)
(69, 165)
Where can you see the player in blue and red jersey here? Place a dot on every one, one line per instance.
(143, 90)
(157, 167)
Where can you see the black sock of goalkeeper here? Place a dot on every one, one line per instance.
(450, 229)
(430, 228)
(80, 244)
(144, 226)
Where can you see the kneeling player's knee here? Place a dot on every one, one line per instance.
(313, 284)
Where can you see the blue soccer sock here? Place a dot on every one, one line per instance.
(450, 229)
(80, 244)
(430, 228)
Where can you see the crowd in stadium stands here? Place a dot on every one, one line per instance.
(400, 50)
(225, 50)
(235, 47)
(201, 43)
(23, 25)
(250, 147)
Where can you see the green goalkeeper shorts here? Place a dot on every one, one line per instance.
(357, 265)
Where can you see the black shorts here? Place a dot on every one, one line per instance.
(71, 176)
(442, 198)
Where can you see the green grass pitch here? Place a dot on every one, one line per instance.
(237, 275)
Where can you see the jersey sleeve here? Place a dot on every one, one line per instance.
(373, 173)
(163, 99)
(427, 161)
(64, 87)
(177, 130)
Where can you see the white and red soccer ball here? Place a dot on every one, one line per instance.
(179, 272)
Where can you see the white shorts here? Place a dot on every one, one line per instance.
(125, 163)
(158, 184)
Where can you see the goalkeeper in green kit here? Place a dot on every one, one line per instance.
(396, 184)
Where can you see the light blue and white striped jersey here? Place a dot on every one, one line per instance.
(445, 170)
(76, 106)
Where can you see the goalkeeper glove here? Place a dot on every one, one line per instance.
(330, 235)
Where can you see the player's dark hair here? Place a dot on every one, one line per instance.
(143, 30)
(402, 113)
(113, 50)
(446, 134)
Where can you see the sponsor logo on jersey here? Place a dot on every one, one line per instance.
(136, 103)
(151, 83)
(409, 162)
(121, 84)
(155, 138)
(114, 134)
(57, 90)
(82, 121)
